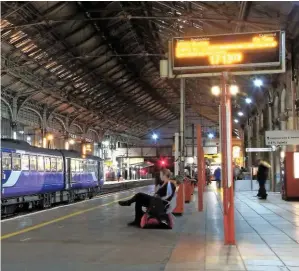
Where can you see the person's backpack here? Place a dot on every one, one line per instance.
(156, 207)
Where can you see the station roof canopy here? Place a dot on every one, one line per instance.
(98, 62)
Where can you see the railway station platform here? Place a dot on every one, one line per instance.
(93, 235)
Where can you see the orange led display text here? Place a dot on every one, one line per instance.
(222, 54)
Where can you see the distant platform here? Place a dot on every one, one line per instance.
(127, 181)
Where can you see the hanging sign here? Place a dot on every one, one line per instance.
(259, 149)
(282, 138)
(229, 51)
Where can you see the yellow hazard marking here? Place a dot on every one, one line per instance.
(38, 226)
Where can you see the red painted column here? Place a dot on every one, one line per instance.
(180, 201)
(188, 189)
(200, 175)
(226, 163)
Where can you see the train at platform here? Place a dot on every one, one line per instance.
(35, 177)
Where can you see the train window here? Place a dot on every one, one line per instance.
(84, 165)
(47, 164)
(25, 162)
(73, 165)
(77, 165)
(89, 169)
(53, 164)
(33, 162)
(40, 163)
(59, 164)
(6, 161)
(16, 161)
(92, 166)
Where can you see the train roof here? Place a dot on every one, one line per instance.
(75, 154)
(25, 146)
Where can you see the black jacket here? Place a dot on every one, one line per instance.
(162, 191)
(262, 173)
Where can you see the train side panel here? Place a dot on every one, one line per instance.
(21, 183)
(84, 174)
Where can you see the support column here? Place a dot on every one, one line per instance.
(176, 154)
(128, 163)
(14, 118)
(249, 143)
(192, 151)
(257, 132)
(294, 82)
(226, 163)
(200, 169)
(272, 160)
(182, 127)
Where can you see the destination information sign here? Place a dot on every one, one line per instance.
(232, 51)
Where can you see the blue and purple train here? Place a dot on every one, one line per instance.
(38, 177)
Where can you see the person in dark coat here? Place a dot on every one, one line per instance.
(217, 175)
(262, 176)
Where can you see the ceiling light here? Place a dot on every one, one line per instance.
(215, 90)
(258, 82)
(236, 121)
(72, 141)
(234, 89)
(210, 135)
(240, 114)
(248, 100)
(155, 136)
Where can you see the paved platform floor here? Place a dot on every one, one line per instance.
(93, 235)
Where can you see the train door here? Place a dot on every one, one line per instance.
(100, 173)
(6, 168)
(2, 172)
(68, 174)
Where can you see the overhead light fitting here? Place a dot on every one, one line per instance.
(234, 89)
(215, 90)
(155, 136)
(258, 82)
(248, 100)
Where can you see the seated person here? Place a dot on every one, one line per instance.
(158, 182)
(143, 200)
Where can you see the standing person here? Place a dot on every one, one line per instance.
(237, 172)
(217, 175)
(262, 176)
(208, 176)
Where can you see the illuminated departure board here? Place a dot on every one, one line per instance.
(234, 51)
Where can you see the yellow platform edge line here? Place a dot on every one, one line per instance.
(41, 225)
